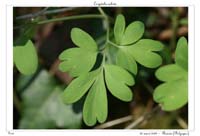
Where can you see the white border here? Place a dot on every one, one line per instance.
(191, 73)
(77, 3)
(89, 3)
(9, 67)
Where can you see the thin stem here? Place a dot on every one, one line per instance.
(104, 59)
(136, 122)
(32, 15)
(148, 87)
(107, 22)
(114, 44)
(181, 122)
(86, 16)
(142, 118)
(174, 18)
(45, 12)
(102, 12)
(115, 122)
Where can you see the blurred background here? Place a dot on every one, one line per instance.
(36, 101)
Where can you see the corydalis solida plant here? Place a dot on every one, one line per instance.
(115, 75)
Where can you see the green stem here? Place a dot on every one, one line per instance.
(174, 18)
(104, 60)
(86, 16)
(113, 44)
(107, 22)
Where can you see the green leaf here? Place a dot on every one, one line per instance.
(133, 33)
(175, 72)
(173, 94)
(181, 54)
(143, 52)
(117, 80)
(25, 58)
(78, 87)
(95, 106)
(119, 28)
(126, 61)
(43, 108)
(77, 61)
(83, 39)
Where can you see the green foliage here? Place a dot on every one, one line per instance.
(173, 94)
(107, 64)
(95, 106)
(72, 56)
(87, 53)
(83, 40)
(119, 28)
(25, 58)
(78, 87)
(138, 50)
(181, 54)
(131, 34)
(79, 62)
(43, 107)
(117, 80)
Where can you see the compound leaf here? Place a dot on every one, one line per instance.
(133, 33)
(143, 52)
(83, 39)
(181, 54)
(25, 58)
(95, 106)
(71, 61)
(78, 87)
(117, 80)
(173, 94)
(119, 28)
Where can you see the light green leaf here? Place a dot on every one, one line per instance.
(25, 58)
(43, 108)
(83, 39)
(126, 61)
(133, 33)
(119, 28)
(95, 106)
(117, 80)
(78, 87)
(77, 61)
(181, 54)
(143, 52)
(170, 72)
(172, 95)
